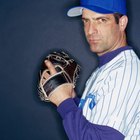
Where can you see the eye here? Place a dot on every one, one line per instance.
(84, 20)
(102, 20)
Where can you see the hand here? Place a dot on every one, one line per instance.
(62, 92)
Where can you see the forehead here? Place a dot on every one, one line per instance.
(88, 13)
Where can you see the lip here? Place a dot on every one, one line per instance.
(94, 40)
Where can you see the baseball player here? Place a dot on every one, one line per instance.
(109, 108)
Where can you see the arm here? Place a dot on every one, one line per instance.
(76, 100)
(75, 124)
(78, 128)
(134, 132)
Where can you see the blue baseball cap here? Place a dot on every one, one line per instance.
(99, 6)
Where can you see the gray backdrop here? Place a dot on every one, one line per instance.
(29, 30)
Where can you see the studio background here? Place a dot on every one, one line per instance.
(29, 30)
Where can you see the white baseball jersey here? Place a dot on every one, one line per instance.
(112, 95)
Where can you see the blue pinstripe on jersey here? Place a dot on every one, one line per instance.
(116, 88)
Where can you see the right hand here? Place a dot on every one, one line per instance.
(62, 92)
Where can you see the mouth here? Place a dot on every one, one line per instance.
(93, 40)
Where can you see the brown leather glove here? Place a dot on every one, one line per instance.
(67, 73)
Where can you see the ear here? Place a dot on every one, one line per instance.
(123, 22)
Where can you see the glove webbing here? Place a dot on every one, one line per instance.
(55, 81)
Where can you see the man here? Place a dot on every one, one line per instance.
(109, 108)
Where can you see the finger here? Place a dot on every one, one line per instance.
(45, 76)
(51, 67)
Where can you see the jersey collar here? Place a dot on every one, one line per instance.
(110, 55)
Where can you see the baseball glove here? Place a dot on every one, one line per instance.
(67, 72)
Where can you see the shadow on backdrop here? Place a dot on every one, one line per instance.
(29, 30)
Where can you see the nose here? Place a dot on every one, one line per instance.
(92, 29)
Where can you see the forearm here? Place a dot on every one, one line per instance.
(76, 100)
(78, 128)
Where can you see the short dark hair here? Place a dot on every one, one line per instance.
(117, 16)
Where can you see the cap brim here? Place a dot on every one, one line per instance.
(77, 11)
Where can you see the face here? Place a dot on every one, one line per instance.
(102, 32)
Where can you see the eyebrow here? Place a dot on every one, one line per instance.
(102, 18)
(84, 18)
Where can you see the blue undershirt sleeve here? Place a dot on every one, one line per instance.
(78, 128)
(76, 100)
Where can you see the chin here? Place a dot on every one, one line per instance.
(97, 51)
(93, 49)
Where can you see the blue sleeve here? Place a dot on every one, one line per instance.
(76, 100)
(78, 128)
